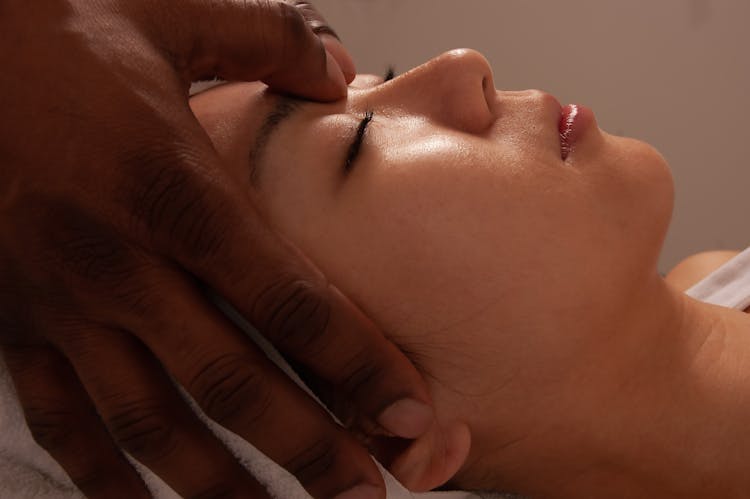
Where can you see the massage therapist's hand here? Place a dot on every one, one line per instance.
(115, 214)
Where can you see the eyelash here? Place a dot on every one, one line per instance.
(354, 148)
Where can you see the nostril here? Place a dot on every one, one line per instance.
(485, 82)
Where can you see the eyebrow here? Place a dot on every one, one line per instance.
(283, 109)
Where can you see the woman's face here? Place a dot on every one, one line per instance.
(458, 226)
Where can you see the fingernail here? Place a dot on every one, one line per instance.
(407, 418)
(334, 71)
(362, 491)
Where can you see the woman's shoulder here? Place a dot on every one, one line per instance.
(694, 268)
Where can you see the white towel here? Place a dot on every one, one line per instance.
(28, 472)
(728, 286)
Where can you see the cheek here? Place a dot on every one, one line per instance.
(460, 233)
(444, 237)
(432, 239)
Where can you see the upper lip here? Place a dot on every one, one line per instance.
(549, 106)
(549, 100)
(557, 110)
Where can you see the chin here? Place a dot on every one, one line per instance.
(657, 175)
(640, 193)
(646, 172)
(659, 200)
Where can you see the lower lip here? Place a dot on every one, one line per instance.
(574, 120)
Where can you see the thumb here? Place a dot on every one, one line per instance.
(252, 40)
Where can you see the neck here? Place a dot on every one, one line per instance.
(665, 415)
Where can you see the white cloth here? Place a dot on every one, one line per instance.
(728, 286)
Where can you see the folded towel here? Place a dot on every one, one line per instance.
(728, 286)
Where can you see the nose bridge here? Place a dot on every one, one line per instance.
(455, 90)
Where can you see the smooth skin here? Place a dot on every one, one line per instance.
(117, 217)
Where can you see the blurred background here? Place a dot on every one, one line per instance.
(674, 73)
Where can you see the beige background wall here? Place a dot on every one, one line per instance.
(672, 72)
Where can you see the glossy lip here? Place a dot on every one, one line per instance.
(574, 120)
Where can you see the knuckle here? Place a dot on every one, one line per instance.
(138, 301)
(66, 432)
(315, 461)
(312, 17)
(63, 257)
(103, 267)
(50, 428)
(361, 374)
(96, 258)
(229, 387)
(171, 202)
(294, 27)
(294, 315)
(142, 429)
(141, 297)
(85, 247)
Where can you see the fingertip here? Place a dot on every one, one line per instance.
(317, 86)
(342, 56)
(336, 75)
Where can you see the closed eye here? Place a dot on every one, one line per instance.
(359, 138)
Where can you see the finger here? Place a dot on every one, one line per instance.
(147, 418)
(62, 420)
(238, 387)
(315, 324)
(258, 40)
(222, 239)
(337, 50)
(330, 38)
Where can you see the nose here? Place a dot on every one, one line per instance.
(455, 89)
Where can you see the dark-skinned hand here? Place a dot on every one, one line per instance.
(115, 216)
